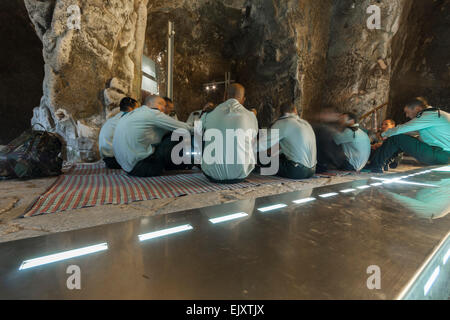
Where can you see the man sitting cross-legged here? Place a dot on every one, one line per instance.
(298, 153)
(142, 142)
(433, 145)
(105, 139)
(230, 137)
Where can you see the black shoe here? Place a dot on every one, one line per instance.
(376, 170)
(371, 168)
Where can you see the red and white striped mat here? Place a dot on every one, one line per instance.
(89, 185)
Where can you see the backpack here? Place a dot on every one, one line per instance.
(33, 154)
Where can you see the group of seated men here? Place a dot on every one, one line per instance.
(139, 140)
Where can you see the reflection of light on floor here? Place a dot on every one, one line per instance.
(164, 232)
(229, 217)
(442, 169)
(444, 260)
(363, 187)
(300, 201)
(63, 256)
(376, 184)
(348, 190)
(327, 195)
(274, 207)
(399, 180)
(430, 281)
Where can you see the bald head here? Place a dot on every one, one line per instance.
(156, 102)
(236, 91)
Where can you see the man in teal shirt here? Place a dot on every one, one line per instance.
(142, 141)
(433, 145)
(297, 144)
(105, 139)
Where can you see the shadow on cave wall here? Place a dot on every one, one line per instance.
(421, 52)
(21, 70)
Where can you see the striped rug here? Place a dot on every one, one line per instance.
(89, 185)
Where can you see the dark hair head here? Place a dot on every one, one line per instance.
(287, 108)
(168, 99)
(127, 103)
(351, 116)
(417, 102)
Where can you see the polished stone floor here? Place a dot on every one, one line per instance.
(316, 243)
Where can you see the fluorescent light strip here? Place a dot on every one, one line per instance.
(63, 256)
(327, 195)
(348, 190)
(444, 260)
(417, 184)
(164, 232)
(305, 200)
(398, 180)
(274, 207)
(430, 281)
(363, 187)
(228, 217)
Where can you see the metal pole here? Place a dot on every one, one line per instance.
(170, 54)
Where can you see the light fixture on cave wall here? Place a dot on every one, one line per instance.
(212, 86)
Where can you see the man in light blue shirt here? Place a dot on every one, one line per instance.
(433, 145)
(230, 138)
(138, 142)
(341, 143)
(297, 142)
(105, 139)
(355, 143)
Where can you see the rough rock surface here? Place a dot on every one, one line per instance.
(202, 30)
(359, 58)
(281, 50)
(421, 50)
(87, 69)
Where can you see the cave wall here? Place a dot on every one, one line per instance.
(281, 51)
(21, 70)
(359, 59)
(87, 69)
(202, 30)
(277, 50)
(421, 51)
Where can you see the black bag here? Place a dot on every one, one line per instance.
(33, 154)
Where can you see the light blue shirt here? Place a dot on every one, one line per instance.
(105, 139)
(433, 130)
(138, 132)
(237, 160)
(194, 116)
(356, 146)
(297, 140)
